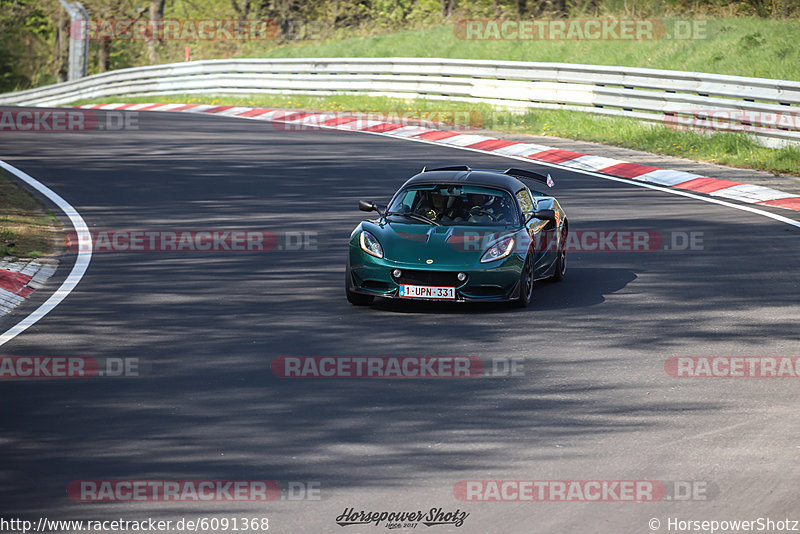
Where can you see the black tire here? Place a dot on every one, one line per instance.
(356, 299)
(561, 261)
(526, 283)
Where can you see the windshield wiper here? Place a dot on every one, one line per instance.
(414, 216)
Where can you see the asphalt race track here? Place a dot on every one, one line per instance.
(593, 402)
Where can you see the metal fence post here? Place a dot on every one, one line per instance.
(78, 41)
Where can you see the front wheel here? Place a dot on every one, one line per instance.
(525, 284)
(561, 261)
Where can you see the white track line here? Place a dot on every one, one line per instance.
(81, 263)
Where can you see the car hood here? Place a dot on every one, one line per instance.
(435, 247)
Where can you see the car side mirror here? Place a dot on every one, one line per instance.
(363, 205)
(547, 215)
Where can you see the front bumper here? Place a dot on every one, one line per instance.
(485, 282)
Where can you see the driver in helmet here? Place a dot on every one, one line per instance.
(481, 209)
(436, 206)
(487, 207)
(500, 209)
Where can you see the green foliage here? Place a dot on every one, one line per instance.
(25, 30)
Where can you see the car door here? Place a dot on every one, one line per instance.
(534, 227)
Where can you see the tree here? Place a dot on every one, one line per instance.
(156, 13)
(26, 42)
(448, 6)
(241, 8)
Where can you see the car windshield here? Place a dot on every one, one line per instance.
(450, 205)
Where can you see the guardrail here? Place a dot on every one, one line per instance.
(768, 109)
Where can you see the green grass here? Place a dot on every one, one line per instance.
(746, 46)
(736, 150)
(26, 226)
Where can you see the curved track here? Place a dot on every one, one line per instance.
(595, 401)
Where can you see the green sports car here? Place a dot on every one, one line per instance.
(461, 235)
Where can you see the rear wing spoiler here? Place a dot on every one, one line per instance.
(530, 175)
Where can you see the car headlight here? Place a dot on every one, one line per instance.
(499, 250)
(370, 245)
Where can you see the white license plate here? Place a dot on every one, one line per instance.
(426, 292)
